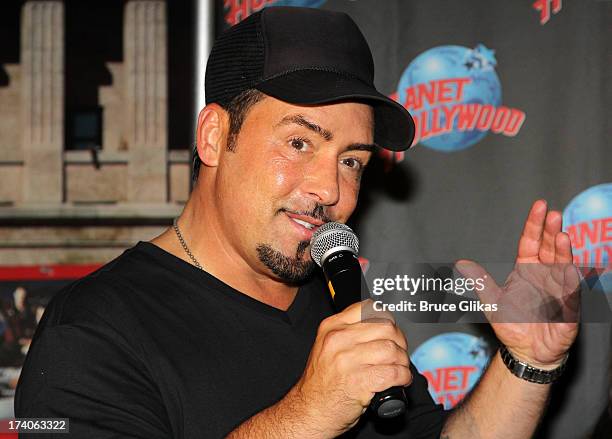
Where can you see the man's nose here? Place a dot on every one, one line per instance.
(321, 180)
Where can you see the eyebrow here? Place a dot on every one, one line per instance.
(362, 147)
(300, 120)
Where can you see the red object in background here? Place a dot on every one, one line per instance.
(41, 273)
(45, 272)
(545, 7)
(4, 427)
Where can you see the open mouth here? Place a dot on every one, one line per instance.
(309, 226)
(307, 223)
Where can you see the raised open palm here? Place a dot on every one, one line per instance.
(538, 305)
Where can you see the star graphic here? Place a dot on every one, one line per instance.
(487, 55)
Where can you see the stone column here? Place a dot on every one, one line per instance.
(145, 67)
(42, 61)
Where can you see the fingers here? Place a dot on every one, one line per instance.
(376, 366)
(531, 237)
(379, 352)
(365, 357)
(347, 336)
(369, 314)
(538, 239)
(572, 279)
(571, 294)
(563, 257)
(563, 249)
(354, 313)
(551, 229)
(365, 332)
(471, 270)
(382, 377)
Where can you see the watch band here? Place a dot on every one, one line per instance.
(530, 373)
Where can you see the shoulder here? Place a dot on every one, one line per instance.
(109, 293)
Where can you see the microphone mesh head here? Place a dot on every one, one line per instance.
(331, 236)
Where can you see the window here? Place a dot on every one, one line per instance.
(85, 129)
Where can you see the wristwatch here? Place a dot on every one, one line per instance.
(530, 373)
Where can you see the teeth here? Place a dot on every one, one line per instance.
(303, 223)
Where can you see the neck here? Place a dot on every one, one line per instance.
(201, 229)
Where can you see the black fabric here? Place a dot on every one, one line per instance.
(393, 124)
(152, 347)
(304, 38)
(304, 56)
(235, 63)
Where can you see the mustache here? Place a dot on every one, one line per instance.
(318, 212)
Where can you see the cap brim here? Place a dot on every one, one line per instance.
(393, 125)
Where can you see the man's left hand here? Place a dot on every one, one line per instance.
(538, 306)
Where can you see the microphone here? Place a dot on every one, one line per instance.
(334, 247)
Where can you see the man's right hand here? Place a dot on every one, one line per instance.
(357, 353)
(352, 359)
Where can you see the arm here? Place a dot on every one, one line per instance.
(288, 418)
(501, 406)
(82, 369)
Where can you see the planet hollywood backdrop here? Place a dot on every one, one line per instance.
(511, 102)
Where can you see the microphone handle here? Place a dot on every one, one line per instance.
(347, 285)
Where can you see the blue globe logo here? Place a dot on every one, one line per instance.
(454, 62)
(302, 3)
(588, 221)
(452, 363)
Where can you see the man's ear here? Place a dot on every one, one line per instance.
(211, 134)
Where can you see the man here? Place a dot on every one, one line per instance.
(218, 326)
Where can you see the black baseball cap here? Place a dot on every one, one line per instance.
(304, 56)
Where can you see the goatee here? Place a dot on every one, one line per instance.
(293, 270)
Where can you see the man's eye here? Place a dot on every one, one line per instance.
(299, 144)
(353, 163)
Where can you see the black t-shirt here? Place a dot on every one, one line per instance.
(150, 346)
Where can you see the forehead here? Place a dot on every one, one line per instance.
(343, 119)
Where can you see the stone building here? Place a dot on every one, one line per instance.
(96, 122)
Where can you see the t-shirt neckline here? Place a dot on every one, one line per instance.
(291, 316)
